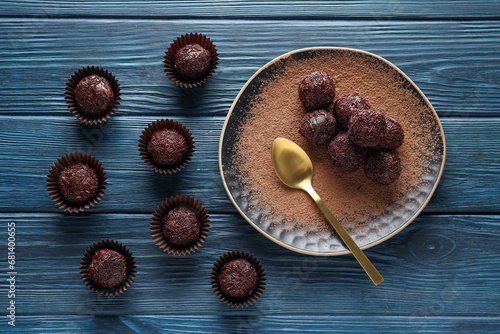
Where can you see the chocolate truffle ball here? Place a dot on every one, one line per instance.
(318, 127)
(78, 183)
(108, 268)
(238, 278)
(192, 62)
(392, 136)
(366, 127)
(383, 167)
(346, 155)
(181, 226)
(346, 106)
(167, 147)
(94, 95)
(317, 91)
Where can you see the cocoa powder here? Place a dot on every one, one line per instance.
(356, 201)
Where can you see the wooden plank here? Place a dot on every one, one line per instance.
(439, 266)
(471, 175)
(245, 321)
(454, 63)
(378, 10)
(441, 272)
(132, 186)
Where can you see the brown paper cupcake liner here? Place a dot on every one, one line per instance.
(70, 94)
(157, 224)
(182, 41)
(53, 181)
(259, 288)
(146, 137)
(87, 258)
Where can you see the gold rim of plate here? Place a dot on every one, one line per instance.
(295, 249)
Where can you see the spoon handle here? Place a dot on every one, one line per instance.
(346, 238)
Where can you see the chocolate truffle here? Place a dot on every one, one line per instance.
(317, 91)
(346, 155)
(108, 268)
(78, 183)
(383, 167)
(392, 136)
(167, 147)
(192, 62)
(94, 95)
(181, 227)
(366, 127)
(238, 278)
(346, 106)
(318, 127)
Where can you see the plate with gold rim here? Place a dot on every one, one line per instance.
(267, 107)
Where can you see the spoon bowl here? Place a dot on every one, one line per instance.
(294, 168)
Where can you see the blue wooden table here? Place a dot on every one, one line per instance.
(442, 273)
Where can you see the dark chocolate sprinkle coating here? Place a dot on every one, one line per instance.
(346, 155)
(94, 95)
(346, 106)
(192, 62)
(238, 278)
(167, 147)
(366, 128)
(318, 127)
(317, 91)
(383, 167)
(181, 227)
(108, 268)
(78, 183)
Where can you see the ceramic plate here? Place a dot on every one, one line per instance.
(253, 186)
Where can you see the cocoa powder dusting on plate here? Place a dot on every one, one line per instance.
(276, 111)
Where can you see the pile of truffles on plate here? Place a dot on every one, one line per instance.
(356, 134)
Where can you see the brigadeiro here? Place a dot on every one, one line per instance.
(366, 127)
(76, 182)
(383, 167)
(346, 155)
(191, 60)
(392, 135)
(92, 94)
(317, 91)
(166, 146)
(318, 127)
(180, 225)
(238, 278)
(346, 106)
(108, 268)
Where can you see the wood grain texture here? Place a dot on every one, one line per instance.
(442, 272)
(258, 323)
(439, 266)
(26, 156)
(220, 9)
(454, 63)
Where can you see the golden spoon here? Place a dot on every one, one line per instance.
(295, 169)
